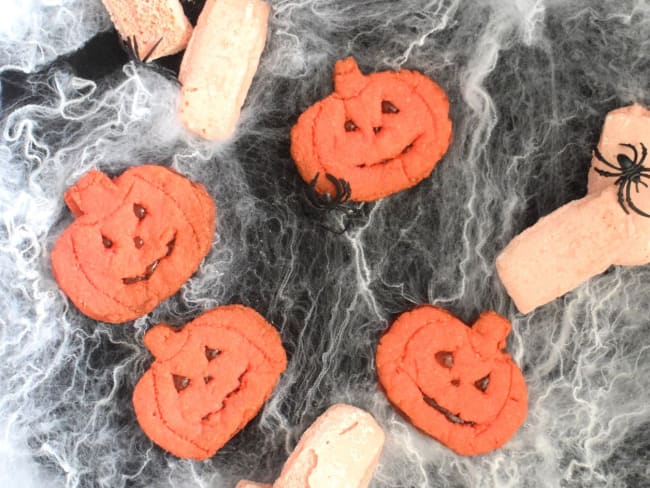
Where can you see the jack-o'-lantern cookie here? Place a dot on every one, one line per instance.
(454, 382)
(380, 133)
(208, 380)
(136, 239)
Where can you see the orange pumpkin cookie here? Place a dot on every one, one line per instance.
(454, 382)
(208, 380)
(136, 240)
(382, 133)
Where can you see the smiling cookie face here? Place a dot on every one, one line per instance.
(382, 133)
(136, 240)
(208, 380)
(454, 382)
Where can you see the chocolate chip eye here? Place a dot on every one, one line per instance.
(388, 108)
(180, 382)
(210, 354)
(445, 359)
(139, 211)
(350, 126)
(170, 247)
(483, 383)
(107, 242)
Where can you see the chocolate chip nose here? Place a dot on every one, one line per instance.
(376, 129)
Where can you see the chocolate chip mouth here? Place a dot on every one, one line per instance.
(388, 160)
(152, 267)
(207, 418)
(453, 418)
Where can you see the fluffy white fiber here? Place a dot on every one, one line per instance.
(530, 83)
(35, 32)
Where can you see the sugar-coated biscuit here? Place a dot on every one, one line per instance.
(219, 65)
(609, 226)
(340, 449)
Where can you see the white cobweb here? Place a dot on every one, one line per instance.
(529, 82)
(35, 32)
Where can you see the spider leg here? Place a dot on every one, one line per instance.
(333, 230)
(334, 220)
(343, 190)
(605, 173)
(337, 186)
(346, 225)
(148, 55)
(631, 204)
(636, 154)
(345, 218)
(130, 48)
(644, 153)
(600, 157)
(312, 195)
(639, 181)
(136, 49)
(312, 183)
(347, 191)
(620, 196)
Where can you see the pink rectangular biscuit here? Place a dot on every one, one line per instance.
(584, 237)
(219, 65)
(562, 250)
(150, 21)
(341, 448)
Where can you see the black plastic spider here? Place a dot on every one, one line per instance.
(327, 201)
(132, 50)
(130, 45)
(333, 207)
(628, 172)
